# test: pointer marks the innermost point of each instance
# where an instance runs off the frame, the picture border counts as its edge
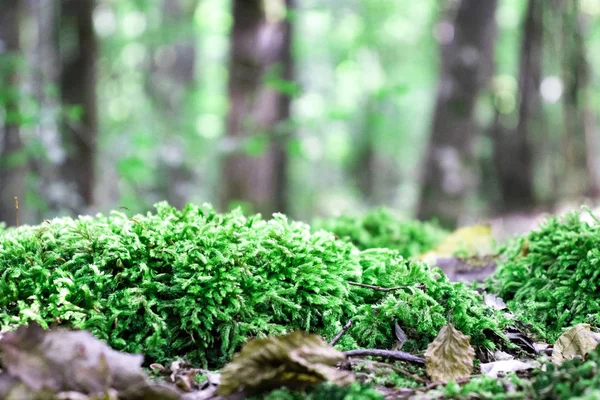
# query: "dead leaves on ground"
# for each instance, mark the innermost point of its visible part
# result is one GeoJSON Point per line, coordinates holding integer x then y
{"type": "Point", "coordinates": [576, 342]}
{"type": "Point", "coordinates": [450, 356]}
{"type": "Point", "coordinates": [295, 360]}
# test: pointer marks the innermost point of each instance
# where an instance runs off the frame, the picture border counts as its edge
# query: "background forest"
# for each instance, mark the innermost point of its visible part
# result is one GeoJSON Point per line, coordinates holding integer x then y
{"type": "Point", "coordinates": [454, 110]}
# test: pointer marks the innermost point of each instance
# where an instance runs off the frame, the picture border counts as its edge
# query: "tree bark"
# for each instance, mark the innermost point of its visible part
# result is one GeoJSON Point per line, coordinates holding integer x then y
{"type": "Point", "coordinates": [466, 67]}
{"type": "Point", "coordinates": [258, 46]}
{"type": "Point", "coordinates": [78, 88]}
{"type": "Point", "coordinates": [513, 153]}
{"type": "Point", "coordinates": [579, 138]}
{"type": "Point", "coordinates": [13, 164]}
{"type": "Point", "coordinates": [168, 84]}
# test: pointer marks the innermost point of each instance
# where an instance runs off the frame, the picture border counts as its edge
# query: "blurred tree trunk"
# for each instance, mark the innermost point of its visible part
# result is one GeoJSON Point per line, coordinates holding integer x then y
{"type": "Point", "coordinates": [78, 89]}
{"type": "Point", "coordinates": [259, 46]}
{"type": "Point", "coordinates": [45, 56]}
{"type": "Point", "coordinates": [170, 80]}
{"type": "Point", "coordinates": [580, 136]}
{"type": "Point", "coordinates": [513, 153]}
{"type": "Point", "coordinates": [13, 164]}
{"type": "Point", "coordinates": [466, 67]}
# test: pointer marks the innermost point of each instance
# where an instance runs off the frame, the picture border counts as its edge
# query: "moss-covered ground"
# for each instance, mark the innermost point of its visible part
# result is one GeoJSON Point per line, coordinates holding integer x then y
{"type": "Point", "coordinates": [197, 284]}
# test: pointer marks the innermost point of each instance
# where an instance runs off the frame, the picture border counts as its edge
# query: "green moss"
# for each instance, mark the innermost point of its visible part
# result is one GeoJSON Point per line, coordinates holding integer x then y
{"type": "Point", "coordinates": [326, 391]}
{"type": "Point", "coordinates": [426, 302]}
{"type": "Point", "coordinates": [574, 378]}
{"type": "Point", "coordinates": [551, 277]}
{"type": "Point", "coordinates": [381, 228]}
{"type": "Point", "coordinates": [199, 283]}
{"type": "Point", "coordinates": [189, 282]}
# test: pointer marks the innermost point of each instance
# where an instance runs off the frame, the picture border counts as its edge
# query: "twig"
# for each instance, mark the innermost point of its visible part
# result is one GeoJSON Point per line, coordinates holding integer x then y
{"type": "Point", "coordinates": [340, 333]}
{"type": "Point", "coordinates": [395, 354]}
{"type": "Point", "coordinates": [394, 368]}
{"type": "Point", "coordinates": [380, 288]}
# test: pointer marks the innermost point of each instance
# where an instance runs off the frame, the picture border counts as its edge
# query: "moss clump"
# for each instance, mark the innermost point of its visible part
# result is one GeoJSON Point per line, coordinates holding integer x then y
{"type": "Point", "coordinates": [426, 302]}
{"type": "Point", "coordinates": [381, 228]}
{"type": "Point", "coordinates": [199, 283]}
{"type": "Point", "coordinates": [326, 391]}
{"type": "Point", "coordinates": [573, 379]}
{"type": "Point", "coordinates": [189, 282]}
{"type": "Point", "coordinates": [551, 277]}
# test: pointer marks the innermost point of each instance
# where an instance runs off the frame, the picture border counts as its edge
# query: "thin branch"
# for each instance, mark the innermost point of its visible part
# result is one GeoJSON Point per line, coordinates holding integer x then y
{"type": "Point", "coordinates": [384, 289]}
{"type": "Point", "coordinates": [340, 333]}
{"type": "Point", "coordinates": [394, 354]}
{"type": "Point", "coordinates": [393, 367]}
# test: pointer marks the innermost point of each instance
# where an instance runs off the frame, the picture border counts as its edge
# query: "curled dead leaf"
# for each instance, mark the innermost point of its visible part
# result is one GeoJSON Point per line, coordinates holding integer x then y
{"type": "Point", "coordinates": [295, 360]}
{"type": "Point", "coordinates": [450, 356]}
{"type": "Point", "coordinates": [577, 341]}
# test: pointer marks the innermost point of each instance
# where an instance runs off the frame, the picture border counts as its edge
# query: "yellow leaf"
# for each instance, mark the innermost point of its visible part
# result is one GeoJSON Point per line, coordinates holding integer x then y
{"type": "Point", "coordinates": [577, 341]}
{"type": "Point", "coordinates": [450, 356]}
{"type": "Point", "coordinates": [294, 360]}
{"type": "Point", "coordinates": [469, 241]}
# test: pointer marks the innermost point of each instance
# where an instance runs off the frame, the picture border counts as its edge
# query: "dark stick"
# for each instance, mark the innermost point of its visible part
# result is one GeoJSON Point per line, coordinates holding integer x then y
{"type": "Point", "coordinates": [396, 355]}
{"type": "Point", "coordinates": [340, 333]}
{"type": "Point", "coordinates": [379, 288]}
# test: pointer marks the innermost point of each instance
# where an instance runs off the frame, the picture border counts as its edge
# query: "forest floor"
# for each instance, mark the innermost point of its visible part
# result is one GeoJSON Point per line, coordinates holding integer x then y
{"type": "Point", "coordinates": [535, 336]}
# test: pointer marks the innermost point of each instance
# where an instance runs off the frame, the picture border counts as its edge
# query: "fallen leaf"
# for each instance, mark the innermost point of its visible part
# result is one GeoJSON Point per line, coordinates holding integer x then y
{"type": "Point", "coordinates": [577, 341]}
{"type": "Point", "coordinates": [449, 356]}
{"type": "Point", "coordinates": [294, 360]}
{"type": "Point", "coordinates": [475, 240]}
{"type": "Point", "coordinates": [68, 362]}
{"type": "Point", "coordinates": [492, 369]}
{"type": "Point", "coordinates": [494, 302]}
{"type": "Point", "coordinates": [401, 336]}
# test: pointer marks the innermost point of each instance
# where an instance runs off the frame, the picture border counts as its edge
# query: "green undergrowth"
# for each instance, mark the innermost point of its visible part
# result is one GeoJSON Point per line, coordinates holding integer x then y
{"type": "Point", "coordinates": [381, 228]}
{"type": "Point", "coordinates": [198, 283]}
{"type": "Point", "coordinates": [551, 276]}
{"type": "Point", "coordinates": [325, 391]}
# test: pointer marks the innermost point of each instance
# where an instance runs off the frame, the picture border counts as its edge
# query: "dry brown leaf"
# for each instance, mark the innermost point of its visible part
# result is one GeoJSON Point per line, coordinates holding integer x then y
{"type": "Point", "coordinates": [577, 341]}
{"type": "Point", "coordinates": [450, 356]}
{"type": "Point", "coordinates": [61, 361]}
{"type": "Point", "coordinates": [294, 360]}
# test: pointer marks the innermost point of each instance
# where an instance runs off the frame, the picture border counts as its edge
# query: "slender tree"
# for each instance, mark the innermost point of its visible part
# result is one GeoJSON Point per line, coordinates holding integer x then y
{"type": "Point", "coordinates": [466, 67]}
{"type": "Point", "coordinates": [170, 80]}
{"type": "Point", "coordinates": [513, 153]}
{"type": "Point", "coordinates": [13, 166]}
{"type": "Point", "coordinates": [78, 89]}
{"type": "Point", "coordinates": [259, 46]}
{"type": "Point", "coordinates": [579, 138]}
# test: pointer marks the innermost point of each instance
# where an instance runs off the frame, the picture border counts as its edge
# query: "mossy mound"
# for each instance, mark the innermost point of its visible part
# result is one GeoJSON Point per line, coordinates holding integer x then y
{"type": "Point", "coordinates": [199, 283]}
{"type": "Point", "coordinates": [381, 228]}
{"type": "Point", "coordinates": [551, 277]}
{"type": "Point", "coordinates": [325, 391]}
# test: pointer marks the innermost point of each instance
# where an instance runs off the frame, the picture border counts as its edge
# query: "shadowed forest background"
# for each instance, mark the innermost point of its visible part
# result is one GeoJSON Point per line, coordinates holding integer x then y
{"type": "Point", "coordinates": [454, 110]}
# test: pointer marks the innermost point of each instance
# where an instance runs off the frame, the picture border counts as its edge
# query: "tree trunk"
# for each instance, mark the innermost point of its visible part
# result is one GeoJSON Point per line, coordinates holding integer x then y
{"type": "Point", "coordinates": [513, 154]}
{"type": "Point", "coordinates": [168, 84]}
{"type": "Point", "coordinates": [579, 138]}
{"type": "Point", "coordinates": [45, 57]}
{"type": "Point", "coordinates": [13, 164]}
{"type": "Point", "coordinates": [466, 67]}
{"type": "Point", "coordinates": [78, 89]}
{"type": "Point", "coordinates": [258, 47]}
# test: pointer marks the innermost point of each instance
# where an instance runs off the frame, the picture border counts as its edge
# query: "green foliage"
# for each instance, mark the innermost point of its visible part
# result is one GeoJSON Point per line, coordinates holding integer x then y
{"type": "Point", "coordinates": [426, 301]}
{"type": "Point", "coordinates": [381, 228]}
{"type": "Point", "coordinates": [179, 282]}
{"type": "Point", "coordinates": [326, 391]}
{"type": "Point", "coordinates": [199, 283]}
{"type": "Point", "coordinates": [484, 387]}
{"type": "Point", "coordinates": [574, 378]}
{"type": "Point", "coordinates": [551, 277]}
